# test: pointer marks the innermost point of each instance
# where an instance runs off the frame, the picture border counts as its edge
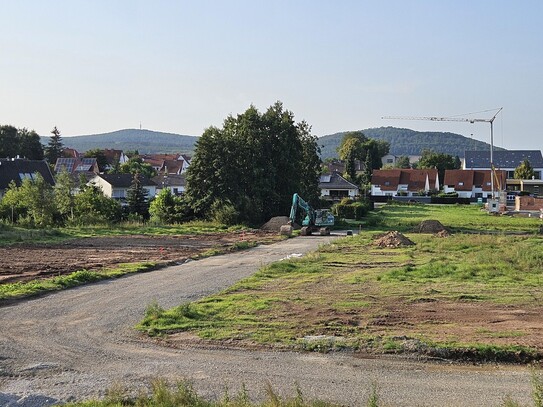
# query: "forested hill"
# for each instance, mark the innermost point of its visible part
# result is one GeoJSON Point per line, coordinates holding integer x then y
{"type": "Point", "coordinates": [402, 142]}
{"type": "Point", "coordinates": [409, 142]}
{"type": "Point", "coordinates": [145, 141]}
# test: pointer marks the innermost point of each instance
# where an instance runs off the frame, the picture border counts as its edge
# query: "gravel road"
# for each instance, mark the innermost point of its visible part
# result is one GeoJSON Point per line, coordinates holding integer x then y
{"type": "Point", "coordinates": [73, 345]}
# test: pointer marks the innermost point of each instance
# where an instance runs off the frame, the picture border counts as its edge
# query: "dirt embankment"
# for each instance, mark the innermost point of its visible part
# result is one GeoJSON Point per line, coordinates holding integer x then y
{"type": "Point", "coordinates": [25, 262]}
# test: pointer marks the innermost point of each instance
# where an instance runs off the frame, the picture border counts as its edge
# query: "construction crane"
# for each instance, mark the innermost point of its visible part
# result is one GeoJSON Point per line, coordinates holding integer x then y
{"type": "Point", "coordinates": [462, 119]}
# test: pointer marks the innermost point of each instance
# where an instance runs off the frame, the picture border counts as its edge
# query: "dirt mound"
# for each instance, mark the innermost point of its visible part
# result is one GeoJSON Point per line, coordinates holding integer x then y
{"type": "Point", "coordinates": [274, 224]}
{"type": "Point", "coordinates": [430, 226]}
{"type": "Point", "coordinates": [393, 239]}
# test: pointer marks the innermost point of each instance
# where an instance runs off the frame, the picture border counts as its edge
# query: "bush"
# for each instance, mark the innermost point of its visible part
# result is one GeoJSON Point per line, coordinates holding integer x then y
{"type": "Point", "coordinates": [224, 212]}
{"type": "Point", "coordinates": [352, 210]}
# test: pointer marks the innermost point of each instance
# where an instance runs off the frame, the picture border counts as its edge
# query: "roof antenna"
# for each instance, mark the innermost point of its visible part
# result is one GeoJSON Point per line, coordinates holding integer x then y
{"type": "Point", "coordinates": [140, 125]}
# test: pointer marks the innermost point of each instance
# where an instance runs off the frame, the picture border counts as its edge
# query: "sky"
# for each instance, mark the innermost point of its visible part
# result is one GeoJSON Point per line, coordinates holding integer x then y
{"type": "Point", "coordinates": [95, 66]}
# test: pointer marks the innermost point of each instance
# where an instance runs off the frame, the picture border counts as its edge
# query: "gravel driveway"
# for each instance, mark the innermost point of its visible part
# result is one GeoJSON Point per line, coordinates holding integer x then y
{"type": "Point", "coordinates": [73, 345]}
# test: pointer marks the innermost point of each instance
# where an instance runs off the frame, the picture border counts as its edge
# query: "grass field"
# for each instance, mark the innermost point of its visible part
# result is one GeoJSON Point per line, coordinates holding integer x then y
{"type": "Point", "coordinates": [353, 294]}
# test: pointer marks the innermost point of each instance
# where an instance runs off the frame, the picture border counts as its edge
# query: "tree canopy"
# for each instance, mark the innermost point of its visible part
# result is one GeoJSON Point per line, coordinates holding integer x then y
{"type": "Point", "coordinates": [524, 170]}
{"type": "Point", "coordinates": [20, 142]}
{"type": "Point", "coordinates": [440, 161]}
{"type": "Point", "coordinates": [356, 146]}
{"type": "Point", "coordinates": [253, 165]}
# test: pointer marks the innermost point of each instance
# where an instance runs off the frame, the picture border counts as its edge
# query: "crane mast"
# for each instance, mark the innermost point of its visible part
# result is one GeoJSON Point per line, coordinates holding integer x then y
{"type": "Point", "coordinates": [462, 119]}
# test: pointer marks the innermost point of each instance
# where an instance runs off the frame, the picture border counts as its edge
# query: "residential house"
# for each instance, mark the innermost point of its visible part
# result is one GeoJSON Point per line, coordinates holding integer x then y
{"type": "Point", "coordinates": [339, 166]}
{"type": "Point", "coordinates": [403, 182]}
{"type": "Point", "coordinates": [389, 159]}
{"type": "Point", "coordinates": [334, 187]}
{"type": "Point", "coordinates": [504, 160]}
{"type": "Point", "coordinates": [114, 156]}
{"type": "Point", "coordinates": [473, 183]}
{"type": "Point", "coordinates": [167, 163]}
{"type": "Point", "coordinates": [117, 185]}
{"type": "Point", "coordinates": [176, 183]}
{"type": "Point", "coordinates": [17, 169]}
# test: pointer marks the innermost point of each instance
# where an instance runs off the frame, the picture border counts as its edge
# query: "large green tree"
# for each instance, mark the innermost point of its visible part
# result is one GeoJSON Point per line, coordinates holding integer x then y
{"type": "Point", "coordinates": [20, 142]}
{"type": "Point", "coordinates": [356, 146]}
{"type": "Point", "coordinates": [54, 147]}
{"type": "Point", "coordinates": [524, 170]}
{"type": "Point", "coordinates": [253, 165]}
{"type": "Point", "coordinates": [440, 161]}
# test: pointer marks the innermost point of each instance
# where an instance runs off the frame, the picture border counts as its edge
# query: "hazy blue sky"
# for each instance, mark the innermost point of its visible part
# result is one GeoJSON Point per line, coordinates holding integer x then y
{"type": "Point", "coordinates": [178, 66]}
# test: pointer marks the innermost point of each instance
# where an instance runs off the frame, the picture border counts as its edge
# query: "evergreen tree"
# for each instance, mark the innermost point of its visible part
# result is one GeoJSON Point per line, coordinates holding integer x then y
{"type": "Point", "coordinates": [137, 198]}
{"type": "Point", "coordinates": [368, 169]}
{"type": "Point", "coordinates": [54, 147]}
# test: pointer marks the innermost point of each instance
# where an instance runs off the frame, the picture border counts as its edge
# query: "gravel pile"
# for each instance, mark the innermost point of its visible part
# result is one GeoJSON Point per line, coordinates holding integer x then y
{"type": "Point", "coordinates": [393, 239]}
{"type": "Point", "coordinates": [274, 224]}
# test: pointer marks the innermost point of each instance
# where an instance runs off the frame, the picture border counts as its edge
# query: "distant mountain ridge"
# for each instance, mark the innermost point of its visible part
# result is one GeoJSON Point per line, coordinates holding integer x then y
{"type": "Point", "coordinates": [410, 142]}
{"type": "Point", "coordinates": [402, 142]}
{"type": "Point", "coordinates": [145, 141]}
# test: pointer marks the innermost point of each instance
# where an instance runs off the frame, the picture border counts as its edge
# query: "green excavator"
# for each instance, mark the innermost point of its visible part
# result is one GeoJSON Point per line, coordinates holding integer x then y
{"type": "Point", "coordinates": [315, 220]}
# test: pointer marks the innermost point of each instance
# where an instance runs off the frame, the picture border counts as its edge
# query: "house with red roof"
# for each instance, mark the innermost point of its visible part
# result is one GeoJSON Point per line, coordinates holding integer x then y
{"type": "Point", "coordinates": [473, 183]}
{"type": "Point", "coordinates": [404, 182]}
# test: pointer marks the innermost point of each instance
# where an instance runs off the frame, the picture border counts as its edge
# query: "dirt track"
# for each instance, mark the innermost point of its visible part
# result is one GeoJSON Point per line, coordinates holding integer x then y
{"type": "Point", "coordinates": [76, 343]}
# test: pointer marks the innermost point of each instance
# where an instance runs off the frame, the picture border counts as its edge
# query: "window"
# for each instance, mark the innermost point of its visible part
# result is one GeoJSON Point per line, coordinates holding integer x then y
{"type": "Point", "coordinates": [461, 184]}
{"type": "Point", "coordinates": [390, 161]}
{"type": "Point", "coordinates": [387, 183]}
{"type": "Point", "coordinates": [25, 175]}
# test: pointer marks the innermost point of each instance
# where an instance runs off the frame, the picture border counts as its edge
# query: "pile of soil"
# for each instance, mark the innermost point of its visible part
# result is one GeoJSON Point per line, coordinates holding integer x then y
{"type": "Point", "coordinates": [430, 226]}
{"type": "Point", "coordinates": [274, 224]}
{"type": "Point", "coordinates": [393, 239]}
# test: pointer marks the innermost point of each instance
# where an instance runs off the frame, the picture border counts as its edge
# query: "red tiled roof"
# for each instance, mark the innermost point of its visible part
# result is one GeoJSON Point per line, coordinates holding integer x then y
{"type": "Point", "coordinates": [414, 179]}
{"type": "Point", "coordinates": [465, 180]}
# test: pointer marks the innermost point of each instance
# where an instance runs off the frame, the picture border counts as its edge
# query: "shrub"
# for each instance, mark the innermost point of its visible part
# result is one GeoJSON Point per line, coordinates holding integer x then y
{"type": "Point", "coordinates": [224, 212]}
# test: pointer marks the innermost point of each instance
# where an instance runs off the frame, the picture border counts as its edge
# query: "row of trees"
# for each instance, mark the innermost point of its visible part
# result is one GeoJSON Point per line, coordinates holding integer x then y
{"type": "Point", "coordinates": [246, 171]}
{"type": "Point", "coordinates": [36, 203]}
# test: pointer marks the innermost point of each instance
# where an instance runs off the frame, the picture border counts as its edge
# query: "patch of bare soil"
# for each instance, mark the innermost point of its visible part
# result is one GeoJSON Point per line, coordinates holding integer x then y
{"type": "Point", "coordinates": [393, 239]}
{"type": "Point", "coordinates": [25, 262]}
{"type": "Point", "coordinates": [430, 226]}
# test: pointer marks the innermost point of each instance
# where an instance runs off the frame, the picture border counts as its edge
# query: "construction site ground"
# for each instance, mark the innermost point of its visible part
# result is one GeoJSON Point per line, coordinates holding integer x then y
{"type": "Point", "coordinates": [24, 262]}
